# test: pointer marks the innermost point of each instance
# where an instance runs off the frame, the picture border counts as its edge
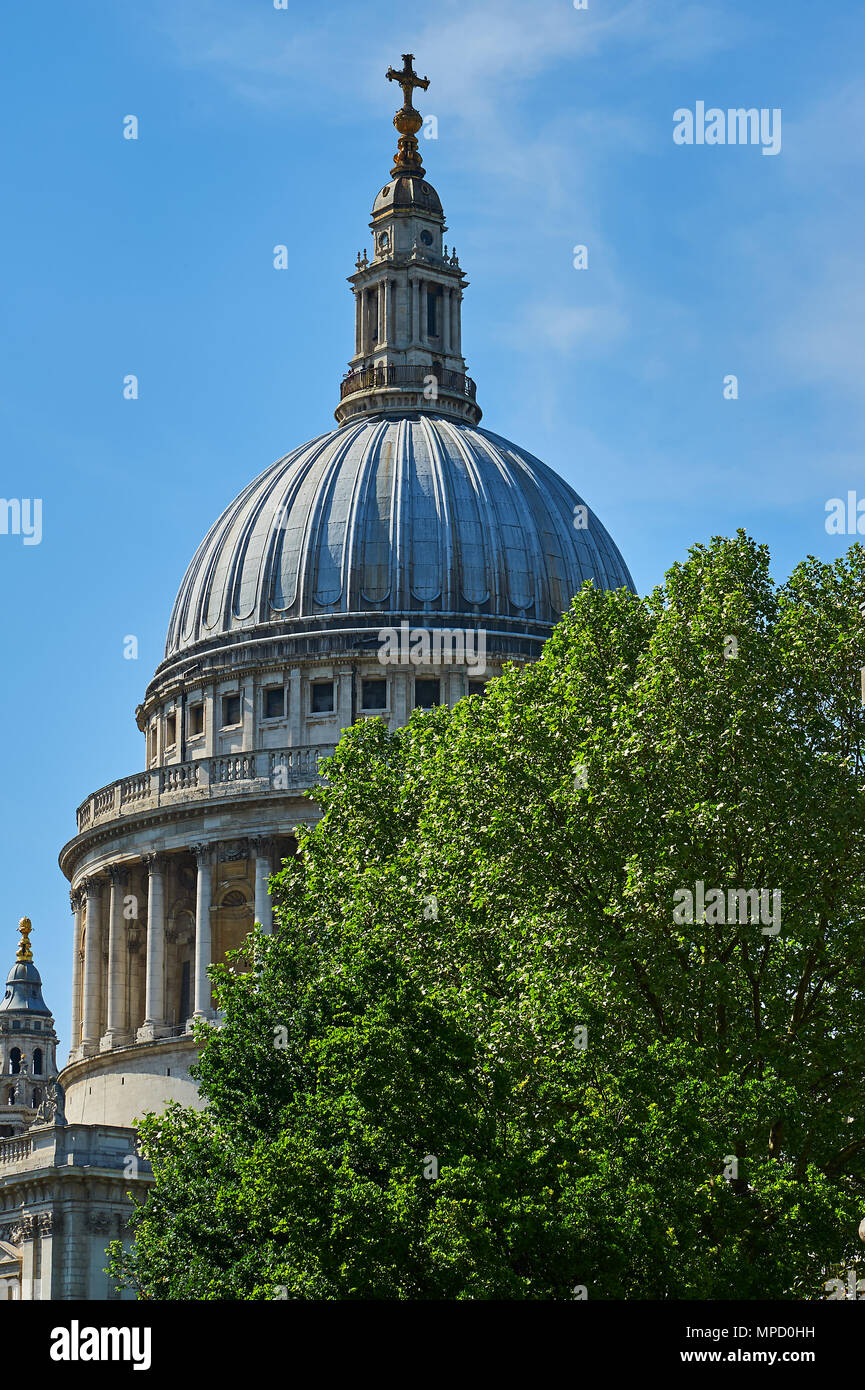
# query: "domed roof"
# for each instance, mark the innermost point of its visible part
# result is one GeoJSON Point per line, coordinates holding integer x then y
{"type": "Point", "coordinates": [407, 191]}
{"type": "Point", "coordinates": [24, 990]}
{"type": "Point", "coordinates": [394, 515]}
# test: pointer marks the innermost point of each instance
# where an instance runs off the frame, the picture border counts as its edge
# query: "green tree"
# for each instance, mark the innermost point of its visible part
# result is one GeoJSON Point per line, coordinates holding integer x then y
{"type": "Point", "coordinates": [480, 1057]}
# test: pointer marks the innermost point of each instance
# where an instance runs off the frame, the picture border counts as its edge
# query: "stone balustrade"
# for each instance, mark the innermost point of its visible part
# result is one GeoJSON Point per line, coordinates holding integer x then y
{"type": "Point", "coordinates": [14, 1150]}
{"type": "Point", "coordinates": [275, 770]}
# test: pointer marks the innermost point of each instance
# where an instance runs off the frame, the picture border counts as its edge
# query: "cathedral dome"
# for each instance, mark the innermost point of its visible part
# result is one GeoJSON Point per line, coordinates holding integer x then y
{"type": "Point", "coordinates": [390, 517]}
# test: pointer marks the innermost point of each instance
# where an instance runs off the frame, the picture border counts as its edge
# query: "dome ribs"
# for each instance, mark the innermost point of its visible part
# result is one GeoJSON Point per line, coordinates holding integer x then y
{"type": "Point", "coordinates": [390, 517]}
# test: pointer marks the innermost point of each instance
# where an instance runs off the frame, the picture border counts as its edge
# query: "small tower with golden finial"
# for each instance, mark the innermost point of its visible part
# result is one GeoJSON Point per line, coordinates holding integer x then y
{"type": "Point", "coordinates": [28, 1044]}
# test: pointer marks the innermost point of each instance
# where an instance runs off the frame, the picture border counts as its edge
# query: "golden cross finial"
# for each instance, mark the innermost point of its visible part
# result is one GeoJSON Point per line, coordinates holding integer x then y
{"type": "Point", "coordinates": [25, 927]}
{"type": "Point", "coordinates": [407, 121]}
{"type": "Point", "coordinates": [407, 79]}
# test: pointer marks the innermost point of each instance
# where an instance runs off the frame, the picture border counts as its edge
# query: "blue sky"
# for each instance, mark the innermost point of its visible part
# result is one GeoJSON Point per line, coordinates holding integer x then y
{"type": "Point", "coordinates": [260, 126]}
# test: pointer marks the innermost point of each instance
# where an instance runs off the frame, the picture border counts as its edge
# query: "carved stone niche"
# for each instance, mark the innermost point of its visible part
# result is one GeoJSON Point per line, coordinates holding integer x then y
{"type": "Point", "coordinates": [186, 878]}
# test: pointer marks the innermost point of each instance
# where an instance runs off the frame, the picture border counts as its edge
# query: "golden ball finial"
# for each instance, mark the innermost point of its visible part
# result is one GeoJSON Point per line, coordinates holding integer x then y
{"type": "Point", "coordinates": [25, 926]}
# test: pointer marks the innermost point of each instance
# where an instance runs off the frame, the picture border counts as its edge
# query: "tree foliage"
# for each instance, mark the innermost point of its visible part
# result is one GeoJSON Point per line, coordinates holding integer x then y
{"type": "Point", "coordinates": [490, 880]}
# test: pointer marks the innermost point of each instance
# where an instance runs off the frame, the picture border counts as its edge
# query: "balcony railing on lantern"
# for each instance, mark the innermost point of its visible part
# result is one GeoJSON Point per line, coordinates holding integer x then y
{"type": "Point", "coordinates": [407, 378]}
{"type": "Point", "coordinates": [217, 778]}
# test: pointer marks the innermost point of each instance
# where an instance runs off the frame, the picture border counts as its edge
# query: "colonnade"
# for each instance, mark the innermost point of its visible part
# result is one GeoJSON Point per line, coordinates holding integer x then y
{"type": "Point", "coordinates": [102, 903]}
{"type": "Point", "coordinates": [376, 316]}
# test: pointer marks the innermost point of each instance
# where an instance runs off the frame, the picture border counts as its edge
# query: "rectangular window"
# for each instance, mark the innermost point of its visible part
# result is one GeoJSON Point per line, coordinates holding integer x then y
{"type": "Point", "coordinates": [196, 720]}
{"type": "Point", "coordinates": [321, 698]}
{"type": "Point", "coordinates": [477, 687]}
{"type": "Point", "coordinates": [171, 730]}
{"type": "Point", "coordinates": [427, 693]}
{"type": "Point", "coordinates": [230, 710]}
{"type": "Point", "coordinates": [274, 702]}
{"type": "Point", "coordinates": [373, 694]}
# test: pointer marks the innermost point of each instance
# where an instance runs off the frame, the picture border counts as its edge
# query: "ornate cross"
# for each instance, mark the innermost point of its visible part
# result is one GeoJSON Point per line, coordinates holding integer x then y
{"type": "Point", "coordinates": [407, 79]}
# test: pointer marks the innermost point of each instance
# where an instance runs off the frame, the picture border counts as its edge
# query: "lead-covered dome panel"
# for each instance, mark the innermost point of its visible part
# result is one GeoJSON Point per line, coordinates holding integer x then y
{"type": "Point", "coordinates": [394, 515]}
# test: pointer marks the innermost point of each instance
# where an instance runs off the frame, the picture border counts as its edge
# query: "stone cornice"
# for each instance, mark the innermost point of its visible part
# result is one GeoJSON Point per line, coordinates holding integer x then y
{"type": "Point", "coordinates": [147, 823]}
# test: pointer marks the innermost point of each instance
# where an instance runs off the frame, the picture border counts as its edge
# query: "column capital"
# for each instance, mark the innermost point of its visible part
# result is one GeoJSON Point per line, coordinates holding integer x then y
{"type": "Point", "coordinates": [76, 899]}
{"type": "Point", "coordinates": [262, 846]}
{"type": "Point", "coordinates": [118, 875]}
{"type": "Point", "coordinates": [155, 861]}
{"type": "Point", "coordinates": [203, 852]}
{"type": "Point", "coordinates": [92, 887]}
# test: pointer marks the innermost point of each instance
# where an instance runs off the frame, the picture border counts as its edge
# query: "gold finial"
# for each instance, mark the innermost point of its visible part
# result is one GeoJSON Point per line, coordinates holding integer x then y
{"type": "Point", "coordinates": [25, 926]}
{"type": "Point", "coordinates": [407, 121]}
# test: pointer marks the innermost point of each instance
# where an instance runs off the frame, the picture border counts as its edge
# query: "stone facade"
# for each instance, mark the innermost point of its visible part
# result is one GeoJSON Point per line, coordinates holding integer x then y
{"type": "Point", "coordinates": [63, 1197]}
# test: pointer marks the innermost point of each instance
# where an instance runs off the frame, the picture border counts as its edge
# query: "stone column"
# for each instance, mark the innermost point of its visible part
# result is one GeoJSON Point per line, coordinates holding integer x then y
{"type": "Point", "coordinates": [115, 1029]}
{"type": "Point", "coordinates": [92, 987]}
{"type": "Point", "coordinates": [154, 991]}
{"type": "Point", "coordinates": [76, 898]}
{"type": "Point", "coordinates": [203, 892]}
{"type": "Point", "coordinates": [263, 851]}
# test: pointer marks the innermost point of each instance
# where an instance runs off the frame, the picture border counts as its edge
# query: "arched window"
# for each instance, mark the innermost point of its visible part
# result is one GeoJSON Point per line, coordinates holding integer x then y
{"type": "Point", "coordinates": [15, 1061]}
{"type": "Point", "coordinates": [10, 1096]}
{"type": "Point", "coordinates": [37, 1061]}
{"type": "Point", "coordinates": [37, 1096]}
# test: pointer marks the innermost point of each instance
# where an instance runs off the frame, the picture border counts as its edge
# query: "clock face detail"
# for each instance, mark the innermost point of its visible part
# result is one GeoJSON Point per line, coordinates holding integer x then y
{"type": "Point", "coordinates": [426, 238]}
